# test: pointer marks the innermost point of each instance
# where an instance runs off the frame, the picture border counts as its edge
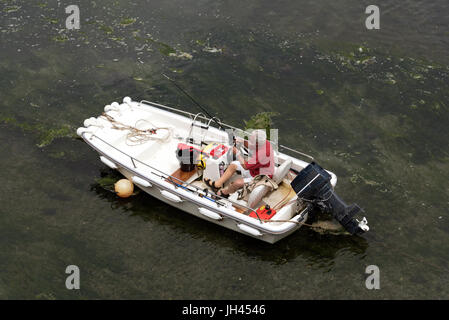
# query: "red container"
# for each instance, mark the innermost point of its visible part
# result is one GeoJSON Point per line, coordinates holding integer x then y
{"type": "Point", "coordinates": [264, 213]}
{"type": "Point", "coordinates": [218, 151]}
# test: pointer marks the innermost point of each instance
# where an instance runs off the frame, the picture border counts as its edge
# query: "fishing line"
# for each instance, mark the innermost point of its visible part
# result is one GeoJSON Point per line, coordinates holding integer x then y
{"type": "Point", "coordinates": [191, 98]}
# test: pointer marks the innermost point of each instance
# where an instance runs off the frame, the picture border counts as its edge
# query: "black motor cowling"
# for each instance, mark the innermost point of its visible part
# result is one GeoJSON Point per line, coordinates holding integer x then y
{"type": "Point", "coordinates": [312, 184]}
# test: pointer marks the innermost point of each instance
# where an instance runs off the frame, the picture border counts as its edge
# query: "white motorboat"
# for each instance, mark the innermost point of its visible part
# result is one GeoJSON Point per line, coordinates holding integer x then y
{"type": "Point", "coordinates": [148, 142]}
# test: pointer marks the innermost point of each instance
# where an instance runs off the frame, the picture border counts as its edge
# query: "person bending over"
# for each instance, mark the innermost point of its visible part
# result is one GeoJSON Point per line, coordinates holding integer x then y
{"type": "Point", "coordinates": [260, 162]}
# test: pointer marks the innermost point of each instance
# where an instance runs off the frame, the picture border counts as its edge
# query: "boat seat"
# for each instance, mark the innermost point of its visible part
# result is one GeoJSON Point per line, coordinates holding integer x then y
{"type": "Point", "coordinates": [260, 191]}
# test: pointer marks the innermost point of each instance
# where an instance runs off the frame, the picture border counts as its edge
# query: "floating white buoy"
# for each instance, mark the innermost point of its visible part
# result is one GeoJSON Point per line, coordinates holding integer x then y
{"type": "Point", "coordinates": [127, 100]}
{"type": "Point", "coordinates": [124, 188]}
{"type": "Point", "coordinates": [90, 122]}
{"type": "Point", "coordinates": [80, 131]}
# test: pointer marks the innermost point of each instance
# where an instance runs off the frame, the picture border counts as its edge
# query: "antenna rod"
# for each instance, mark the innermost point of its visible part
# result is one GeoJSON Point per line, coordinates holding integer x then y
{"type": "Point", "coordinates": [191, 98]}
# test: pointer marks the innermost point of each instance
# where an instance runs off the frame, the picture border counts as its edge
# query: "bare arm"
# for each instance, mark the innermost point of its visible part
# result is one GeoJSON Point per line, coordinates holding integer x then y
{"type": "Point", "coordinates": [239, 157]}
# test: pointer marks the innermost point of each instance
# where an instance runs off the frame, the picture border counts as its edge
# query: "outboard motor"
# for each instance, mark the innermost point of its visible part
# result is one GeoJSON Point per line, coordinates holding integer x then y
{"type": "Point", "coordinates": [312, 184]}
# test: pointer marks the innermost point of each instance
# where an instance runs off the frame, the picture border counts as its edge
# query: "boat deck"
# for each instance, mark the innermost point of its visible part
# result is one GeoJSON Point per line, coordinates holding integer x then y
{"type": "Point", "coordinates": [184, 176]}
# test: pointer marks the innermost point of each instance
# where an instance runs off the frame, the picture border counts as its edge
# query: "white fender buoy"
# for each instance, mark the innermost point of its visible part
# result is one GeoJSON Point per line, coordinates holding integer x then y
{"type": "Point", "coordinates": [90, 122]}
{"type": "Point", "coordinates": [124, 188]}
{"type": "Point", "coordinates": [249, 230]}
{"type": "Point", "coordinates": [141, 182]}
{"type": "Point", "coordinates": [107, 108]}
{"type": "Point", "coordinates": [127, 100]}
{"type": "Point", "coordinates": [108, 162]}
{"type": "Point", "coordinates": [170, 196]}
{"type": "Point", "coordinates": [80, 131]}
{"type": "Point", "coordinates": [115, 105]}
{"type": "Point", "coordinates": [210, 214]}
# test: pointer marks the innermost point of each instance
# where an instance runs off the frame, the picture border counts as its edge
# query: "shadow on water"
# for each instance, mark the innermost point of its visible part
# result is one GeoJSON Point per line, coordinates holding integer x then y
{"type": "Point", "coordinates": [317, 248]}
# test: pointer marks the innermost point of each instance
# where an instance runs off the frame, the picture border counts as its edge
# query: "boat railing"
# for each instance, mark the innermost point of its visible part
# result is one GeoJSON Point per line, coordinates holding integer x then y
{"type": "Point", "coordinates": [166, 176]}
{"type": "Point", "coordinates": [297, 152]}
{"type": "Point", "coordinates": [194, 116]}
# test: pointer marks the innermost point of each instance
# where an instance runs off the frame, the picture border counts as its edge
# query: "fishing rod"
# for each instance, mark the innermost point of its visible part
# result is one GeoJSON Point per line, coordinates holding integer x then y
{"type": "Point", "coordinates": [194, 101]}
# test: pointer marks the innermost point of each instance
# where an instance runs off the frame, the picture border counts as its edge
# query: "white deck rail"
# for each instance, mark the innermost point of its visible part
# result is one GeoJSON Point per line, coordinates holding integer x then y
{"type": "Point", "coordinates": [209, 120]}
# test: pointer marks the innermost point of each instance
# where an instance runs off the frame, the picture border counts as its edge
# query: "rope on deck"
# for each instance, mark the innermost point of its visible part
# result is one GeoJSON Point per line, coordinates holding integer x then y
{"type": "Point", "coordinates": [137, 136]}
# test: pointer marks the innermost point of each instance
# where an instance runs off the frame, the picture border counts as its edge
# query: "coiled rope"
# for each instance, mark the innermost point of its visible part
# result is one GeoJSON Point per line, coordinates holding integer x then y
{"type": "Point", "coordinates": [137, 136]}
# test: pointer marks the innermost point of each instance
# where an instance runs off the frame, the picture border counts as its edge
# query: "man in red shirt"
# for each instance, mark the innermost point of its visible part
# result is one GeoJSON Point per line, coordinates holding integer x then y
{"type": "Point", "coordinates": [261, 162]}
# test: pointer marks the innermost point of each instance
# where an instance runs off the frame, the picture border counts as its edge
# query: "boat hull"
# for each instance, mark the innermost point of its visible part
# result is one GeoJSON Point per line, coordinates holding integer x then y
{"type": "Point", "coordinates": [193, 209]}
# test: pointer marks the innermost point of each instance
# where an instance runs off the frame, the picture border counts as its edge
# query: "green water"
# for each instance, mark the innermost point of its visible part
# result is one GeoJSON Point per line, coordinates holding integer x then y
{"type": "Point", "coordinates": [372, 106]}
